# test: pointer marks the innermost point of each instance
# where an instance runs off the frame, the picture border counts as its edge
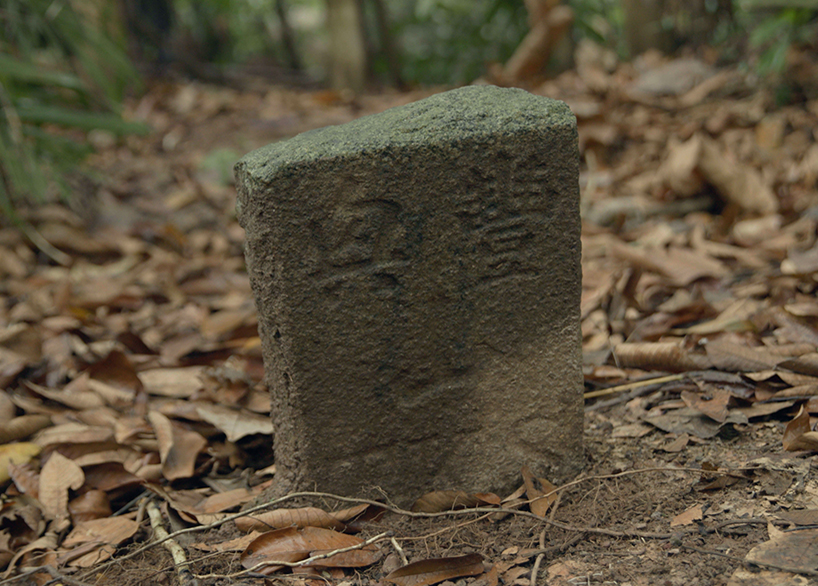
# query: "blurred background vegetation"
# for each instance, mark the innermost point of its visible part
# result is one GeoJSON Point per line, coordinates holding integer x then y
{"type": "Point", "coordinates": [66, 65]}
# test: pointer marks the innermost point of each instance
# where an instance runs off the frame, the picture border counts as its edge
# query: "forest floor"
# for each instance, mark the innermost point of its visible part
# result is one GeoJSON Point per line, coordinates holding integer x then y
{"type": "Point", "coordinates": [129, 353]}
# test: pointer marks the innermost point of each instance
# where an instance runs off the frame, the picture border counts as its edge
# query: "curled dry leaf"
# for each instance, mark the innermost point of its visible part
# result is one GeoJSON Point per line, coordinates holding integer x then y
{"type": "Point", "coordinates": [739, 184]}
{"type": "Point", "coordinates": [540, 497]}
{"type": "Point", "coordinates": [449, 500]}
{"type": "Point", "coordinates": [26, 478]}
{"type": "Point", "coordinates": [223, 501]}
{"type": "Point", "coordinates": [178, 447]}
{"type": "Point", "coordinates": [46, 543]}
{"type": "Point", "coordinates": [73, 433]}
{"type": "Point", "coordinates": [432, 571]}
{"type": "Point", "coordinates": [798, 434]}
{"type": "Point", "coordinates": [355, 517]}
{"type": "Point", "coordinates": [665, 356]}
{"type": "Point", "coordinates": [293, 545]}
{"type": "Point", "coordinates": [23, 427]}
{"type": "Point", "coordinates": [112, 476]}
{"type": "Point", "coordinates": [70, 396]}
{"type": "Point", "coordinates": [301, 517]}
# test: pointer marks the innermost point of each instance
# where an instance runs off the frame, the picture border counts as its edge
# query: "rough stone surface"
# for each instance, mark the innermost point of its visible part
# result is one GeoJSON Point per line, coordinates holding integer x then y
{"type": "Point", "coordinates": [417, 276]}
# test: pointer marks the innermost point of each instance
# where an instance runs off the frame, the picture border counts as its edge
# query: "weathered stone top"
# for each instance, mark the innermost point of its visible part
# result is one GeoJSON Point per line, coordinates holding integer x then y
{"type": "Point", "coordinates": [468, 113]}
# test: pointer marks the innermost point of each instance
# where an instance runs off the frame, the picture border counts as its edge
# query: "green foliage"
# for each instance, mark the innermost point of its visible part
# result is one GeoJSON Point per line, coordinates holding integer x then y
{"type": "Point", "coordinates": [598, 20]}
{"type": "Point", "coordinates": [233, 31]}
{"type": "Point", "coordinates": [777, 33]}
{"type": "Point", "coordinates": [219, 163]}
{"type": "Point", "coordinates": [60, 74]}
{"type": "Point", "coordinates": [452, 41]}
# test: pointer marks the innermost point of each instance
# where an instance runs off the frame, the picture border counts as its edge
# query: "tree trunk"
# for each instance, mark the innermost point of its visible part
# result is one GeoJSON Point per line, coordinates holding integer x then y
{"type": "Point", "coordinates": [287, 37]}
{"type": "Point", "coordinates": [149, 25]}
{"type": "Point", "coordinates": [346, 44]}
{"type": "Point", "coordinates": [388, 47]}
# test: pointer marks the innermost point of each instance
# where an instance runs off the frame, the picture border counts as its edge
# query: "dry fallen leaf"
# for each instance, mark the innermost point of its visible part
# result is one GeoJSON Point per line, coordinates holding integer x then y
{"type": "Point", "coordinates": [540, 492]}
{"type": "Point", "coordinates": [235, 423]}
{"type": "Point", "coordinates": [432, 571]}
{"type": "Point", "coordinates": [449, 500]}
{"type": "Point", "coordinates": [795, 549]}
{"type": "Point", "coordinates": [713, 404]}
{"type": "Point", "coordinates": [737, 182]}
{"type": "Point", "coordinates": [93, 504]}
{"type": "Point", "coordinates": [117, 371]}
{"type": "Point", "coordinates": [663, 356]}
{"type": "Point", "coordinates": [178, 447]}
{"type": "Point", "coordinates": [689, 517]}
{"type": "Point", "coordinates": [172, 382]}
{"type": "Point", "coordinates": [292, 545]}
{"type": "Point", "coordinates": [102, 536]}
{"type": "Point", "coordinates": [280, 518]}
{"type": "Point", "coordinates": [798, 434]}
{"type": "Point", "coordinates": [58, 476]}
{"type": "Point", "coordinates": [726, 355]}
{"type": "Point", "coordinates": [237, 544]}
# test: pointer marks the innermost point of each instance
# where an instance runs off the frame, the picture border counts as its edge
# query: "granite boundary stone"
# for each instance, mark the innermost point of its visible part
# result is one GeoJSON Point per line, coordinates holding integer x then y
{"type": "Point", "coordinates": [417, 276]}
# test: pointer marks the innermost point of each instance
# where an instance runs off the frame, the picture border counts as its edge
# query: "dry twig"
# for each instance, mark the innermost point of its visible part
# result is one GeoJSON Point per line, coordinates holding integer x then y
{"type": "Point", "coordinates": [180, 562]}
{"type": "Point", "coordinates": [536, 569]}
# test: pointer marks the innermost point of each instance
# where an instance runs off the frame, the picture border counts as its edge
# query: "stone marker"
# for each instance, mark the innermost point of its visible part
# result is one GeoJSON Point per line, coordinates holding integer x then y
{"type": "Point", "coordinates": [417, 276]}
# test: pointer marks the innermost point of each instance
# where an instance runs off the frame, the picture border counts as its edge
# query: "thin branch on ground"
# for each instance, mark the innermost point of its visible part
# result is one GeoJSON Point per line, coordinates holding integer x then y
{"type": "Point", "coordinates": [180, 562]}
{"type": "Point", "coordinates": [536, 569]}
{"type": "Point", "coordinates": [404, 560]}
{"type": "Point", "coordinates": [748, 521]}
{"type": "Point", "coordinates": [635, 385]}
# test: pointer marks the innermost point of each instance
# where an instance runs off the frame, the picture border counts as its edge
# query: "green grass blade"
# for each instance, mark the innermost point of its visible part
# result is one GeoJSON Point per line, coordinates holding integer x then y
{"type": "Point", "coordinates": [27, 72]}
{"type": "Point", "coordinates": [46, 114]}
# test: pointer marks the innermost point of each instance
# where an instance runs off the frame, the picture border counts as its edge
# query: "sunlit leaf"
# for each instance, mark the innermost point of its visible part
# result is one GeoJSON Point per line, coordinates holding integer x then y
{"type": "Point", "coordinates": [17, 453]}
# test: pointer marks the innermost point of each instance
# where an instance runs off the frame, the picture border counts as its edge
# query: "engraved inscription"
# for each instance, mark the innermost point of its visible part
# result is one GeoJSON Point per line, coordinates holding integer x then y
{"type": "Point", "coordinates": [362, 241]}
{"type": "Point", "coordinates": [500, 221]}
